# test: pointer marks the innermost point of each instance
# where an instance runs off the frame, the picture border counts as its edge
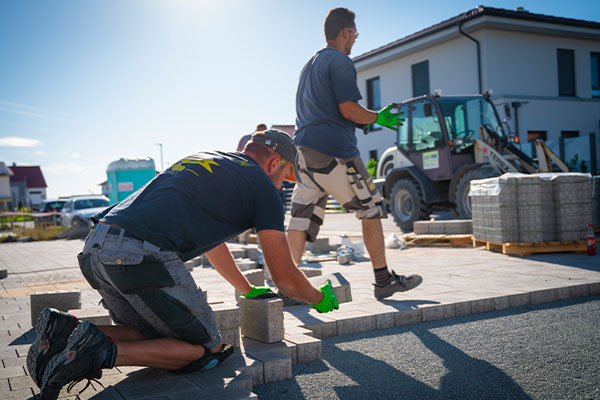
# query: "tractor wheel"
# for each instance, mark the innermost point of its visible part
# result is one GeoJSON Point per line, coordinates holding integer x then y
{"type": "Point", "coordinates": [462, 200]}
{"type": "Point", "coordinates": [407, 205]}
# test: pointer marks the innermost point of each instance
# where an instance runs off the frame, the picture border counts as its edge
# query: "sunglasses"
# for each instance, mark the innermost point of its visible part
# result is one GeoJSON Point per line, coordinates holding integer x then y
{"type": "Point", "coordinates": [353, 30]}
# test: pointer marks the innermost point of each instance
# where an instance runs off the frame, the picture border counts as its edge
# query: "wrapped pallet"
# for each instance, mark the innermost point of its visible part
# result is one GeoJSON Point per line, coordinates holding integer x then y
{"type": "Point", "coordinates": [596, 200]}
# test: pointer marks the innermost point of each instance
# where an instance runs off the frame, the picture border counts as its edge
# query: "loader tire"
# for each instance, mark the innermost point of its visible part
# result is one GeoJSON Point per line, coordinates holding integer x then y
{"type": "Point", "coordinates": [407, 205]}
{"type": "Point", "coordinates": [461, 199]}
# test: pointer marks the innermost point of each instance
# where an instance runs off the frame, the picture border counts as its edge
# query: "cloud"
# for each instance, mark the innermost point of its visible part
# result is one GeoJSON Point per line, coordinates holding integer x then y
{"type": "Point", "coordinates": [13, 141]}
{"type": "Point", "coordinates": [75, 155]}
{"type": "Point", "coordinates": [40, 153]}
{"type": "Point", "coordinates": [16, 108]}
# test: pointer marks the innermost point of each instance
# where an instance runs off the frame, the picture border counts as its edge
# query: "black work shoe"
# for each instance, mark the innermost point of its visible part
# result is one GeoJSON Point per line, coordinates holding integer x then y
{"type": "Point", "coordinates": [209, 361]}
{"type": "Point", "coordinates": [52, 330]}
{"type": "Point", "coordinates": [398, 283]}
{"type": "Point", "coordinates": [81, 359]}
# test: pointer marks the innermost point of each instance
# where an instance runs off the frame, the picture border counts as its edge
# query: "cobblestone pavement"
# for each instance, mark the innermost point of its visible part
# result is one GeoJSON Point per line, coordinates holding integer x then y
{"type": "Point", "coordinates": [457, 281]}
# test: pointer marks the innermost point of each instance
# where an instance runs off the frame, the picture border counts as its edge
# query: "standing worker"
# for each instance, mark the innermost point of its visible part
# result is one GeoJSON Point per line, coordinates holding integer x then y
{"type": "Point", "coordinates": [327, 116]}
{"type": "Point", "coordinates": [135, 258]}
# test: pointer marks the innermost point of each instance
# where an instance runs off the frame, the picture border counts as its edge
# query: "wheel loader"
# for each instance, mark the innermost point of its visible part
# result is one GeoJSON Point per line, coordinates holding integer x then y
{"type": "Point", "coordinates": [445, 142]}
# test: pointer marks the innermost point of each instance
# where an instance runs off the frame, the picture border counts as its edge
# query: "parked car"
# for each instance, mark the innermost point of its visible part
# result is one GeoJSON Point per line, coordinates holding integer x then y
{"type": "Point", "coordinates": [52, 205]}
{"type": "Point", "coordinates": [78, 211]}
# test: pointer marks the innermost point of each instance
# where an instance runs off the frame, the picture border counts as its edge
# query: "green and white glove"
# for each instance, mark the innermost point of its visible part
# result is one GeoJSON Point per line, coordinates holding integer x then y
{"type": "Point", "coordinates": [388, 119]}
{"type": "Point", "coordinates": [260, 292]}
{"type": "Point", "coordinates": [329, 302]}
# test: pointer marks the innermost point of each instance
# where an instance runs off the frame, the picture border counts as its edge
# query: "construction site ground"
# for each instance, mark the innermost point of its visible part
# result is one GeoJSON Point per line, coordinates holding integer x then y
{"type": "Point", "coordinates": [458, 281]}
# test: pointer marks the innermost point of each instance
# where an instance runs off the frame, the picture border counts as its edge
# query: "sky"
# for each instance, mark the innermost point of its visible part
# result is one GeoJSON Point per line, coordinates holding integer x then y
{"type": "Point", "coordinates": [84, 83]}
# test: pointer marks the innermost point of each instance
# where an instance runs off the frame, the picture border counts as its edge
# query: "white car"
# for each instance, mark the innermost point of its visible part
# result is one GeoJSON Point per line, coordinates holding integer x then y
{"type": "Point", "coordinates": [79, 210]}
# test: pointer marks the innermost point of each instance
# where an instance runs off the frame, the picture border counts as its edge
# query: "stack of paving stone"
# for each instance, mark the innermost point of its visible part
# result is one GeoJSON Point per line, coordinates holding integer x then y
{"type": "Point", "coordinates": [451, 227]}
{"type": "Point", "coordinates": [535, 208]}
{"type": "Point", "coordinates": [596, 200]}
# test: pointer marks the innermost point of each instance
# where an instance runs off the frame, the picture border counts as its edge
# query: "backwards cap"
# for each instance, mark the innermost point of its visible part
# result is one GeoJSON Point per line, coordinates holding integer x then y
{"type": "Point", "coordinates": [281, 143]}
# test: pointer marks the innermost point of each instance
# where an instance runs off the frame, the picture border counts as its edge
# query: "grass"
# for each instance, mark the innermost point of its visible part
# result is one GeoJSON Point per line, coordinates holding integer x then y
{"type": "Point", "coordinates": [41, 232]}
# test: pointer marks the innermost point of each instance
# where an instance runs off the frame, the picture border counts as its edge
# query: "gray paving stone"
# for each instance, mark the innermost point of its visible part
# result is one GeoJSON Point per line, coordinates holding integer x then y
{"type": "Point", "coordinates": [262, 319]}
{"type": "Point", "coordinates": [408, 317]}
{"type": "Point", "coordinates": [594, 287]}
{"type": "Point", "coordinates": [385, 319]}
{"type": "Point", "coordinates": [245, 264]}
{"type": "Point", "coordinates": [110, 393]}
{"type": "Point", "coordinates": [14, 362]}
{"type": "Point", "coordinates": [311, 272]}
{"type": "Point", "coordinates": [323, 329]}
{"type": "Point", "coordinates": [231, 336]}
{"type": "Point", "coordinates": [309, 348]}
{"type": "Point", "coordinates": [501, 303]}
{"type": "Point", "coordinates": [277, 367]}
{"type": "Point", "coordinates": [12, 372]}
{"type": "Point", "coordinates": [320, 245]}
{"type": "Point", "coordinates": [20, 394]}
{"type": "Point", "coordinates": [149, 388]}
{"type": "Point", "coordinates": [284, 347]}
{"type": "Point", "coordinates": [354, 321]}
{"type": "Point", "coordinates": [238, 253]}
{"type": "Point", "coordinates": [462, 308]}
{"type": "Point", "coordinates": [226, 316]}
{"type": "Point", "coordinates": [544, 296]}
{"type": "Point", "coordinates": [564, 293]}
{"type": "Point", "coordinates": [21, 382]}
{"type": "Point", "coordinates": [252, 253]}
{"type": "Point", "coordinates": [519, 300]}
{"type": "Point", "coordinates": [255, 276]}
{"type": "Point", "coordinates": [339, 284]}
{"type": "Point", "coordinates": [482, 305]}
{"type": "Point", "coordinates": [580, 290]}
{"type": "Point", "coordinates": [21, 350]}
{"type": "Point", "coordinates": [96, 315]}
{"type": "Point", "coordinates": [436, 312]}
{"type": "Point", "coordinates": [62, 300]}
{"type": "Point", "coordinates": [231, 392]}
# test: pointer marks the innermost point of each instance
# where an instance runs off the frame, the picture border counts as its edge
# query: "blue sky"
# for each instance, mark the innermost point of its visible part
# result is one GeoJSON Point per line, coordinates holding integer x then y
{"type": "Point", "coordinates": [83, 83]}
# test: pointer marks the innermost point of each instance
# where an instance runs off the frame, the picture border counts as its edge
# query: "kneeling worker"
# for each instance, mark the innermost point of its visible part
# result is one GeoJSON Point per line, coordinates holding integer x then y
{"type": "Point", "coordinates": [135, 258]}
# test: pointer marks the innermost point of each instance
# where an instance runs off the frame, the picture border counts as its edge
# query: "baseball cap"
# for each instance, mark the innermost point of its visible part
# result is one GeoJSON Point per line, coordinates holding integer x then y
{"type": "Point", "coordinates": [283, 144]}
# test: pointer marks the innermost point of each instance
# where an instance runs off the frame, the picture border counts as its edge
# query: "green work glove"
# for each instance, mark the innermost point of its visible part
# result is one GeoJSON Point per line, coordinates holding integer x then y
{"type": "Point", "coordinates": [386, 118]}
{"type": "Point", "coordinates": [329, 302]}
{"type": "Point", "coordinates": [260, 292]}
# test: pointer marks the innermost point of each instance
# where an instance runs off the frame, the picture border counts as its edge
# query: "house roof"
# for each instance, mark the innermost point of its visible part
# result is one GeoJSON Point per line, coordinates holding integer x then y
{"type": "Point", "coordinates": [32, 175]}
{"type": "Point", "coordinates": [4, 169]}
{"type": "Point", "coordinates": [476, 13]}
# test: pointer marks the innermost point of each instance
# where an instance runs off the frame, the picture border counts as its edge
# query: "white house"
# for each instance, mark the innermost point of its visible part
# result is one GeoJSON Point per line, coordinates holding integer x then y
{"type": "Point", "coordinates": [545, 68]}
{"type": "Point", "coordinates": [5, 195]}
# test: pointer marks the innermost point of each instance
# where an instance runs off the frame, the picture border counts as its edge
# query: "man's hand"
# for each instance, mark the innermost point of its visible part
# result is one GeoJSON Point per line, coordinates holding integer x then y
{"type": "Point", "coordinates": [386, 118]}
{"type": "Point", "coordinates": [260, 292]}
{"type": "Point", "coordinates": [329, 302]}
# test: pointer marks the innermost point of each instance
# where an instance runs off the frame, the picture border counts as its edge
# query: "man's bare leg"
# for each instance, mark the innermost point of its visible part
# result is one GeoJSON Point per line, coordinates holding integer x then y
{"type": "Point", "coordinates": [297, 241]}
{"type": "Point", "coordinates": [134, 349]}
{"type": "Point", "coordinates": [373, 238]}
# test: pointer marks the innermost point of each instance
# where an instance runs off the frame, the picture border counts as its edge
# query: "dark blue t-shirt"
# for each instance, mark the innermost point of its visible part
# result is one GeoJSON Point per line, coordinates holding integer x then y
{"type": "Point", "coordinates": [200, 202]}
{"type": "Point", "coordinates": [327, 80]}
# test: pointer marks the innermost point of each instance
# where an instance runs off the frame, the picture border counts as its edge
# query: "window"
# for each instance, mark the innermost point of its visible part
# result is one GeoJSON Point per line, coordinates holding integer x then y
{"type": "Point", "coordinates": [595, 74]}
{"type": "Point", "coordinates": [373, 154]}
{"type": "Point", "coordinates": [426, 130]}
{"type": "Point", "coordinates": [569, 134]}
{"type": "Point", "coordinates": [566, 72]}
{"type": "Point", "coordinates": [420, 78]}
{"type": "Point", "coordinates": [403, 130]}
{"type": "Point", "coordinates": [373, 94]}
{"type": "Point", "coordinates": [533, 135]}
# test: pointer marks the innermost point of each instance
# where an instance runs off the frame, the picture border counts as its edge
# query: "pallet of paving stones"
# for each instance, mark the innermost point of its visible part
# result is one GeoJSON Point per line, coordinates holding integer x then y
{"type": "Point", "coordinates": [527, 249]}
{"type": "Point", "coordinates": [427, 240]}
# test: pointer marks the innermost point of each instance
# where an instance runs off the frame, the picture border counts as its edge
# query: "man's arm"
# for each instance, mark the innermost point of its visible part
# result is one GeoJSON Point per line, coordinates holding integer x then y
{"type": "Point", "coordinates": [356, 113]}
{"type": "Point", "coordinates": [220, 257]}
{"type": "Point", "coordinates": [286, 275]}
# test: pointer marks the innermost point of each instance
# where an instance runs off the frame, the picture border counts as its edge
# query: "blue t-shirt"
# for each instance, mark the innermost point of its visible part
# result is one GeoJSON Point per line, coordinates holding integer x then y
{"type": "Point", "coordinates": [327, 80]}
{"type": "Point", "coordinates": [200, 202]}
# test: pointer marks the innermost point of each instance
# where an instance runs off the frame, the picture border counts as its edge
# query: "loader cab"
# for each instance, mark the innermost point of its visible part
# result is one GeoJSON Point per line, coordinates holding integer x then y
{"type": "Point", "coordinates": [439, 132]}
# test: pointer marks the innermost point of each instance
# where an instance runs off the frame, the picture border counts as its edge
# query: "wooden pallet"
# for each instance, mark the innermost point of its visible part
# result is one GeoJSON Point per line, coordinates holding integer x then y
{"type": "Point", "coordinates": [437, 240]}
{"type": "Point", "coordinates": [527, 249]}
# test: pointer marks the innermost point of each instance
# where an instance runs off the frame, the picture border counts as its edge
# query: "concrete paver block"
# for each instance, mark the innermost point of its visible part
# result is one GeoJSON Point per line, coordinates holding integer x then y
{"type": "Point", "coordinates": [3, 273]}
{"type": "Point", "coordinates": [284, 347]}
{"type": "Point", "coordinates": [354, 321]}
{"type": "Point", "coordinates": [226, 316]}
{"type": "Point", "coordinates": [323, 329]}
{"type": "Point", "coordinates": [482, 305]}
{"type": "Point", "coordinates": [519, 300]}
{"type": "Point", "coordinates": [205, 260]}
{"type": "Point", "coordinates": [255, 276]}
{"type": "Point", "coordinates": [262, 319]}
{"type": "Point", "coordinates": [544, 296]}
{"type": "Point", "coordinates": [594, 287]}
{"type": "Point", "coordinates": [62, 300]}
{"type": "Point", "coordinates": [96, 315]}
{"type": "Point", "coordinates": [231, 336]}
{"type": "Point", "coordinates": [245, 264]}
{"type": "Point", "coordinates": [309, 348]}
{"type": "Point", "coordinates": [580, 290]}
{"type": "Point", "coordinates": [252, 253]}
{"type": "Point", "coordinates": [311, 272]}
{"type": "Point", "coordinates": [341, 286]}
{"type": "Point", "coordinates": [501, 303]}
{"type": "Point", "coordinates": [277, 367]}
{"type": "Point", "coordinates": [150, 387]}
{"type": "Point", "coordinates": [320, 245]}
{"type": "Point", "coordinates": [408, 317]}
{"type": "Point", "coordinates": [385, 319]}
{"type": "Point", "coordinates": [436, 312]}
{"type": "Point", "coordinates": [240, 361]}
{"type": "Point", "coordinates": [463, 308]}
{"type": "Point", "coordinates": [564, 293]}
{"type": "Point", "coordinates": [238, 253]}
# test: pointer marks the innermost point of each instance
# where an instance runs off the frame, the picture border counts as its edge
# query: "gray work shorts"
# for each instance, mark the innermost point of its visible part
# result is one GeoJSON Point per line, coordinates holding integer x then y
{"type": "Point", "coordinates": [346, 179]}
{"type": "Point", "coordinates": [147, 289]}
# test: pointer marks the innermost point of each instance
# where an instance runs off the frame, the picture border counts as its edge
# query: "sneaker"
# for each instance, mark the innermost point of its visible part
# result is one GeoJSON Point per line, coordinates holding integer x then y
{"type": "Point", "coordinates": [209, 361]}
{"type": "Point", "coordinates": [81, 359]}
{"type": "Point", "coordinates": [398, 283]}
{"type": "Point", "coordinates": [52, 330]}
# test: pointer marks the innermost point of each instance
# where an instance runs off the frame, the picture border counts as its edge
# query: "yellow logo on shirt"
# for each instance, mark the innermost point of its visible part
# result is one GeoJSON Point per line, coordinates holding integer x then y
{"type": "Point", "coordinates": [206, 163]}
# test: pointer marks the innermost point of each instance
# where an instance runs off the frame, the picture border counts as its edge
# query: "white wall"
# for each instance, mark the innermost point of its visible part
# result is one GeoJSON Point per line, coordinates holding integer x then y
{"type": "Point", "coordinates": [4, 186]}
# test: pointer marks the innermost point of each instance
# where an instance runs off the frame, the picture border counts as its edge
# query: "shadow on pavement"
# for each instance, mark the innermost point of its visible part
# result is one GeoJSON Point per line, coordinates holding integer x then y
{"type": "Point", "coordinates": [582, 261]}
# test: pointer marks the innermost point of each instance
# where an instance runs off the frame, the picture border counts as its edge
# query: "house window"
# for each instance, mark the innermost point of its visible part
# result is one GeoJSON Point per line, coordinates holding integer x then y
{"type": "Point", "coordinates": [373, 94]}
{"type": "Point", "coordinates": [533, 135]}
{"type": "Point", "coordinates": [373, 154]}
{"type": "Point", "coordinates": [420, 78]}
{"type": "Point", "coordinates": [566, 72]}
{"type": "Point", "coordinates": [595, 74]}
{"type": "Point", "coordinates": [569, 134]}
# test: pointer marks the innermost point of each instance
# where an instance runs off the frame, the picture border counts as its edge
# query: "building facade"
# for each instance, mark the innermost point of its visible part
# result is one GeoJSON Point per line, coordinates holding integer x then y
{"type": "Point", "coordinates": [544, 70]}
{"type": "Point", "coordinates": [27, 186]}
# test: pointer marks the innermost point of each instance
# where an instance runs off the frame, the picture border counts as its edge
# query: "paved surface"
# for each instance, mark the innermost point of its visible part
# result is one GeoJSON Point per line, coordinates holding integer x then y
{"type": "Point", "coordinates": [457, 281]}
{"type": "Point", "coordinates": [549, 351]}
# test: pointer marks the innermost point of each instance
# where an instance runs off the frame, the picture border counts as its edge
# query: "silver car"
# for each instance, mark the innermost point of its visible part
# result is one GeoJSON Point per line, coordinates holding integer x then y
{"type": "Point", "coordinates": [78, 211]}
